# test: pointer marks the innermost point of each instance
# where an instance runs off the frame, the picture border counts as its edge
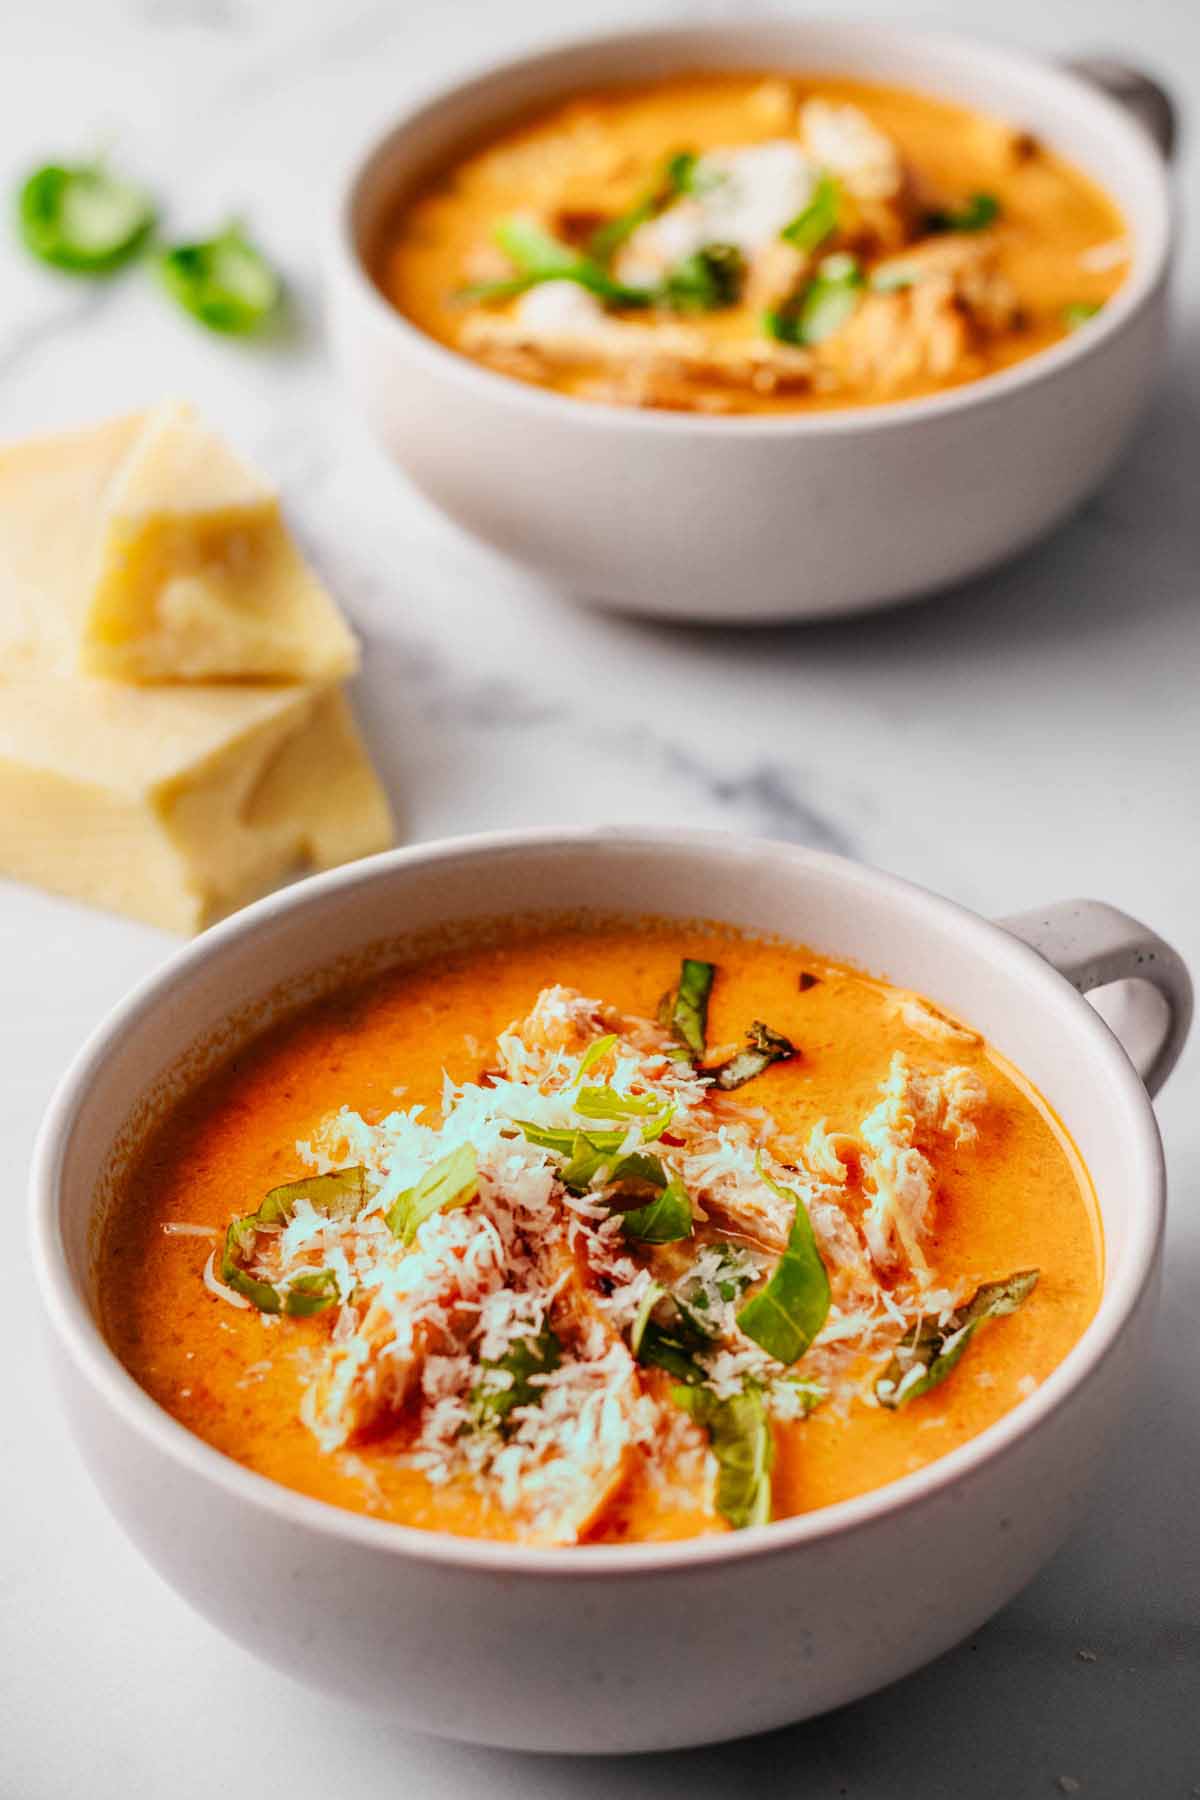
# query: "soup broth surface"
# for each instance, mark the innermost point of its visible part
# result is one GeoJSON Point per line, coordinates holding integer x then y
{"type": "Point", "coordinates": [1007, 1192]}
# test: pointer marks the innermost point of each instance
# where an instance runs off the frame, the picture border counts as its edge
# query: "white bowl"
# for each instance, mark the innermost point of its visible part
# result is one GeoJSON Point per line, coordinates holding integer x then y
{"type": "Point", "coordinates": [647, 1646]}
{"type": "Point", "coordinates": [743, 518]}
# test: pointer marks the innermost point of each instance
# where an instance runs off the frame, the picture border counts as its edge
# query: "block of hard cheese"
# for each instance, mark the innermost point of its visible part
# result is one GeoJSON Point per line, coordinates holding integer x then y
{"type": "Point", "coordinates": [144, 550]}
{"type": "Point", "coordinates": [177, 804]}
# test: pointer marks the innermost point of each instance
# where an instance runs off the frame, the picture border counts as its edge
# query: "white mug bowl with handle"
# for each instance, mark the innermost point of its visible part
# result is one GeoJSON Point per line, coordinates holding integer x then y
{"type": "Point", "coordinates": [548, 1649]}
{"type": "Point", "coordinates": [745, 519]}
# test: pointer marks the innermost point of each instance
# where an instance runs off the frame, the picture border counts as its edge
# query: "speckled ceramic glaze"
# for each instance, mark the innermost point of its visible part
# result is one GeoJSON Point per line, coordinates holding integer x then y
{"type": "Point", "coordinates": [763, 518]}
{"type": "Point", "coordinates": [546, 1649]}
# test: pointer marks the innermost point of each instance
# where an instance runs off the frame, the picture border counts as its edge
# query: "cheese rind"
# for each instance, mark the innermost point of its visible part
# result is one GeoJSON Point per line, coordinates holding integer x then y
{"type": "Point", "coordinates": [176, 805]}
{"type": "Point", "coordinates": [146, 551]}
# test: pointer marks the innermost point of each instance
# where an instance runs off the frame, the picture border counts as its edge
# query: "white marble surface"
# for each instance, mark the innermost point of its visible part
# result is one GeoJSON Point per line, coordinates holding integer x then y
{"type": "Point", "coordinates": [1034, 736]}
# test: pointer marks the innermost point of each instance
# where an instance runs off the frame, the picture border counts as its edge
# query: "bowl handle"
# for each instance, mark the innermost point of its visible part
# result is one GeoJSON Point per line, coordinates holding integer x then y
{"type": "Point", "coordinates": [1149, 1002]}
{"type": "Point", "coordinates": [1148, 101]}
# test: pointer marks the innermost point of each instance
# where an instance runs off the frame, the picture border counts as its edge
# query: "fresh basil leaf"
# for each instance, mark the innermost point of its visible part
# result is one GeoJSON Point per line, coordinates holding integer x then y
{"type": "Point", "coordinates": [590, 1158]}
{"type": "Point", "coordinates": [675, 180]}
{"type": "Point", "coordinates": [449, 1183]}
{"type": "Point", "coordinates": [707, 280]}
{"type": "Point", "coordinates": [80, 218]}
{"type": "Point", "coordinates": [739, 1432]}
{"type": "Point", "coordinates": [664, 1336]}
{"type": "Point", "coordinates": [226, 282]}
{"type": "Point", "coordinates": [595, 1053]}
{"type": "Point", "coordinates": [980, 211]}
{"type": "Point", "coordinates": [665, 1220]}
{"type": "Point", "coordinates": [785, 1316]}
{"type": "Point", "coordinates": [1079, 312]}
{"type": "Point", "coordinates": [493, 1401]}
{"type": "Point", "coordinates": [311, 1294]}
{"type": "Point", "coordinates": [562, 1139]}
{"type": "Point", "coordinates": [819, 220]}
{"type": "Point", "coordinates": [650, 1299]}
{"type": "Point", "coordinates": [339, 1194]}
{"type": "Point", "coordinates": [937, 1349]}
{"type": "Point", "coordinates": [685, 1008]}
{"type": "Point", "coordinates": [763, 1047]}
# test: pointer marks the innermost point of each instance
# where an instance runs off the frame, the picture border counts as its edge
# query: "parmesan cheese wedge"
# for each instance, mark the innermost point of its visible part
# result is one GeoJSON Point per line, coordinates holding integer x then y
{"type": "Point", "coordinates": [178, 804]}
{"type": "Point", "coordinates": [143, 549]}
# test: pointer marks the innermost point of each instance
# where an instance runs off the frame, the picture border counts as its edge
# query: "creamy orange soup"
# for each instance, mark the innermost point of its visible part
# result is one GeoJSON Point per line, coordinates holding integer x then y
{"type": "Point", "coordinates": [485, 1316]}
{"type": "Point", "coordinates": [751, 243]}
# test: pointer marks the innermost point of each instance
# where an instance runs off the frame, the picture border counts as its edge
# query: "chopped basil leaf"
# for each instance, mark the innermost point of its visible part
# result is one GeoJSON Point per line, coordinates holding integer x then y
{"type": "Point", "coordinates": [340, 1194]}
{"type": "Point", "coordinates": [980, 211]}
{"type": "Point", "coordinates": [821, 307]}
{"type": "Point", "coordinates": [665, 1336]}
{"type": "Point", "coordinates": [819, 220]}
{"type": "Point", "coordinates": [539, 257]}
{"type": "Point", "coordinates": [1079, 312]}
{"type": "Point", "coordinates": [650, 1299]}
{"type": "Point", "coordinates": [785, 1316]}
{"type": "Point", "coordinates": [606, 1103]}
{"type": "Point", "coordinates": [676, 180]}
{"type": "Point", "coordinates": [225, 281]}
{"type": "Point", "coordinates": [705, 281]}
{"type": "Point", "coordinates": [685, 1008]}
{"type": "Point", "coordinates": [493, 1400]}
{"type": "Point", "coordinates": [310, 1294]}
{"type": "Point", "coordinates": [562, 1139]}
{"type": "Point", "coordinates": [934, 1350]}
{"type": "Point", "coordinates": [739, 1432]}
{"type": "Point", "coordinates": [449, 1183]}
{"type": "Point", "coordinates": [763, 1047]}
{"type": "Point", "coordinates": [591, 1157]}
{"type": "Point", "coordinates": [665, 1220]}
{"type": "Point", "coordinates": [595, 1052]}
{"type": "Point", "coordinates": [82, 219]}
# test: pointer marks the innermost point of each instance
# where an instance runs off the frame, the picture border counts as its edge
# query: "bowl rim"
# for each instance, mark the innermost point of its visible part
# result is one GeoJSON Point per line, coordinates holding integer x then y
{"type": "Point", "coordinates": [112, 1386]}
{"type": "Point", "coordinates": [345, 260]}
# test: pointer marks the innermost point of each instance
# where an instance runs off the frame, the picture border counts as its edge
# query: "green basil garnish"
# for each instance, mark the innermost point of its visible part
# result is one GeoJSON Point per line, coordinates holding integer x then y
{"type": "Point", "coordinates": [937, 1349]}
{"type": "Point", "coordinates": [563, 1139]}
{"type": "Point", "coordinates": [607, 1103]}
{"type": "Point", "coordinates": [340, 1194]}
{"type": "Point", "coordinates": [819, 220]}
{"type": "Point", "coordinates": [676, 180]}
{"type": "Point", "coordinates": [539, 1355]}
{"type": "Point", "coordinates": [1079, 312]}
{"type": "Point", "coordinates": [224, 281]}
{"type": "Point", "coordinates": [980, 211]}
{"type": "Point", "coordinates": [763, 1047]}
{"type": "Point", "coordinates": [538, 257]}
{"type": "Point", "coordinates": [80, 218]}
{"type": "Point", "coordinates": [785, 1316]}
{"type": "Point", "coordinates": [685, 1008]}
{"type": "Point", "coordinates": [594, 1052]}
{"type": "Point", "coordinates": [821, 307]}
{"type": "Point", "coordinates": [664, 1220]}
{"type": "Point", "coordinates": [449, 1183]}
{"type": "Point", "coordinates": [705, 281]}
{"type": "Point", "coordinates": [739, 1432]}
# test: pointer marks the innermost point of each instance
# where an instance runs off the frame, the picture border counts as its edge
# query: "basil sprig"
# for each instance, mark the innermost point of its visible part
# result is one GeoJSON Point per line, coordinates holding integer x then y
{"type": "Point", "coordinates": [341, 1194]}
{"type": "Point", "coordinates": [980, 211]}
{"type": "Point", "coordinates": [739, 1432]}
{"type": "Point", "coordinates": [492, 1400]}
{"type": "Point", "coordinates": [821, 307]}
{"type": "Point", "coordinates": [785, 1316]}
{"type": "Point", "coordinates": [763, 1047]}
{"type": "Point", "coordinates": [685, 1007]}
{"type": "Point", "coordinates": [937, 1349]}
{"type": "Point", "coordinates": [451, 1182]}
{"type": "Point", "coordinates": [819, 220]}
{"type": "Point", "coordinates": [225, 281]}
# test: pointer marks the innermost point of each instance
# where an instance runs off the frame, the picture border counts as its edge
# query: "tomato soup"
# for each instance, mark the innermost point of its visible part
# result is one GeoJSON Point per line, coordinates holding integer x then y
{"type": "Point", "coordinates": [754, 243]}
{"type": "Point", "coordinates": [602, 1234]}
